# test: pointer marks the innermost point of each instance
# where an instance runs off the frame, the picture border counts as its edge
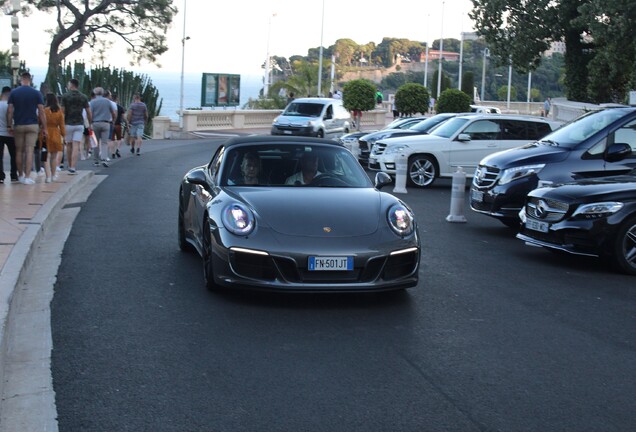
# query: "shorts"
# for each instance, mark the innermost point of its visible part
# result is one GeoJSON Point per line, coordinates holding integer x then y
{"type": "Point", "coordinates": [74, 133]}
{"type": "Point", "coordinates": [136, 130]}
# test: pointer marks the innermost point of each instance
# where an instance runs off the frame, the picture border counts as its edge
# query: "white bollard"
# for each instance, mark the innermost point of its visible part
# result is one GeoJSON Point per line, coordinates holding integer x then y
{"type": "Point", "coordinates": [457, 197]}
{"type": "Point", "coordinates": [401, 167]}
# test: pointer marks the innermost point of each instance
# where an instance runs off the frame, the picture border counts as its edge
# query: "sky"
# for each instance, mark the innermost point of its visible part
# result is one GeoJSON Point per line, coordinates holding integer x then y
{"type": "Point", "coordinates": [232, 37]}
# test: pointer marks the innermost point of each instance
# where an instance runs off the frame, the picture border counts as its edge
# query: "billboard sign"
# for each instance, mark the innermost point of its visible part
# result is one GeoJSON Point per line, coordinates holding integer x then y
{"type": "Point", "coordinates": [220, 90]}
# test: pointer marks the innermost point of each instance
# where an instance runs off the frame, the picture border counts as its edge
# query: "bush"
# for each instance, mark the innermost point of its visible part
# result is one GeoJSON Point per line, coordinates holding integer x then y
{"type": "Point", "coordinates": [502, 93]}
{"type": "Point", "coordinates": [412, 98]}
{"type": "Point", "coordinates": [453, 101]}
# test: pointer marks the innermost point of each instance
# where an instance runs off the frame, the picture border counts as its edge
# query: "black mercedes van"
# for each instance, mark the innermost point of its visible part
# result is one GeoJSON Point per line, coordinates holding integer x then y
{"type": "Point", "coordinates": [597, 144]}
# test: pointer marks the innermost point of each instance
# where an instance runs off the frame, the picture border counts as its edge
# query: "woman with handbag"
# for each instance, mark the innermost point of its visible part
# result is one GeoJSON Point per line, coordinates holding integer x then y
{"type": "Point", "coordinates": [54, 141]}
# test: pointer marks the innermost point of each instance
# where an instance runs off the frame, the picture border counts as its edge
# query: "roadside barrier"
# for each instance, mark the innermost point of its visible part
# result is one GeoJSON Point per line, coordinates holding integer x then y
{"type": "Point", "coordinates": [457, 197]}
{"type": "Point", "coordinates": [401, 165]}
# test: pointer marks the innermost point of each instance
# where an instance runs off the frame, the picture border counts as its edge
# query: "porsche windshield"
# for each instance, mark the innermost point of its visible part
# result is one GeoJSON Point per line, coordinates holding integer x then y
{"type": "Point", "coordinates": [302, 109]}
{"type": "Point", "coordinates": [290, 165]}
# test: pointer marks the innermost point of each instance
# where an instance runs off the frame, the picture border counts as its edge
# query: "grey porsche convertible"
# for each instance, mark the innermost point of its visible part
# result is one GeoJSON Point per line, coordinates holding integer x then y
{"type": "Point", "coordinates": [295, 214]}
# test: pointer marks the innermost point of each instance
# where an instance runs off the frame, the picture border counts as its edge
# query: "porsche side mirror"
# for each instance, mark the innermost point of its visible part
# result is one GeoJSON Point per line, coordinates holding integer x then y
{"type": "Point", "coordinates": [197, 177]}
{"type": "Point", "coordinates": [382, 179]}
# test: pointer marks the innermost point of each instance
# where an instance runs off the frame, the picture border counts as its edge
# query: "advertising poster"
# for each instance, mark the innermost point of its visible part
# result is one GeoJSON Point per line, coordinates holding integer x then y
{"type": "Point", "coordinates": [209, 90]}
{"type": "Point", "coordinates": [220, 90]}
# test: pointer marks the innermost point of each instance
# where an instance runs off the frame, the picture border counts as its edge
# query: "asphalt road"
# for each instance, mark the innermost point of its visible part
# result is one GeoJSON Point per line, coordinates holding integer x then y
{"type": "Point", "coordinates": [498, 336]}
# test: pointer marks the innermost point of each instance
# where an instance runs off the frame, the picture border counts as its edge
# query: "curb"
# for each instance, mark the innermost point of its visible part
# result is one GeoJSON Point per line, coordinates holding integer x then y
{"type": "Point", "coordinates": [19, 260]}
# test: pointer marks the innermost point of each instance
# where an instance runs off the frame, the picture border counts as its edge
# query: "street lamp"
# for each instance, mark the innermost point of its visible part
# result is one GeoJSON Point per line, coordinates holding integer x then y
{"type": "Point", "coordinates": [509, 82]}
{"type": "Point", "coordinates": [322, 27]}
{"type": "Point", "coordinates": [428, 20]}
{"type": "Point", "coordinates": [441, 55]}
{"type": "Point", "coordinates": [483, 72]}
{"type": "Point", "coordinates": [266, 81]}
{"type": "Point", "coordinates": [183, 40]}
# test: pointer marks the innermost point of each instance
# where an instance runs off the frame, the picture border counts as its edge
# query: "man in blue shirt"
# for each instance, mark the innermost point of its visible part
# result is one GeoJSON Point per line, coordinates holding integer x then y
{"type": "Point", "coordinates": [26, 107]}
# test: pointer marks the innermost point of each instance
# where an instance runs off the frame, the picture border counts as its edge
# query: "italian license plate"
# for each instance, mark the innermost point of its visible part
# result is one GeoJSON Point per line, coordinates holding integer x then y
{"type": "Point", "coordinates": [320, 263]}
{"type": "Point", "coordinates": [536, 225]}
{"type": "Point", "coordinates": [476, 195]}
{"type": "Point", "coordinates": [287, 132]}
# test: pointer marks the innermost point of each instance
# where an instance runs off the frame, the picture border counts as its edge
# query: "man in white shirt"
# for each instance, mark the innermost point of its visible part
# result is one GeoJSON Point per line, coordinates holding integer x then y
{"type": "Point", "coordinates": [308, 170]}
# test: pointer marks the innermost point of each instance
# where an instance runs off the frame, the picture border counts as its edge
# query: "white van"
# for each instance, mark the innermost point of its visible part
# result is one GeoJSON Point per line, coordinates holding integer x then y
{"type": "Point", "coordinates": [461, 141]}
{"type": "Point", "coordinates": [316, 117]}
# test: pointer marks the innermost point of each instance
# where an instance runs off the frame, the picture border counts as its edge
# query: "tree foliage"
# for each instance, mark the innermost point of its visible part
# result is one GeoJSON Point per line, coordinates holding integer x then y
{"type": "Point", "coordinates": [412, 98]}
{"type": "Point", "coordinates": [468, 83]}
{"type": "Point", "coordinates": [453, 101]}
{"type": "Point", "coordinates": [502, 93]}
{"type": "Point", "coordinates": [359, 95]}
{"type": "Point", "coordinates": [140, 24]}
{"type": "Point", "coordinates": [445, 83]}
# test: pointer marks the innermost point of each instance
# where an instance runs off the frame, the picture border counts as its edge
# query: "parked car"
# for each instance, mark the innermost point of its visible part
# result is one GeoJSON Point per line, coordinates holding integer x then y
{"type": "Point", "coordinates": [315, 117]}
{"type": "Point", "coordinates": [593, 217]}
{"type": "Point", "coordinates": [600, 143]}
{"type": "Point", "coordinates": [259, 220]}
{"type": "Point", "coordinates": [422, 127]}
{"type": "Point", "coordinates": [482, 109]}
{"type": "Point", "coordinates": [461, 141]}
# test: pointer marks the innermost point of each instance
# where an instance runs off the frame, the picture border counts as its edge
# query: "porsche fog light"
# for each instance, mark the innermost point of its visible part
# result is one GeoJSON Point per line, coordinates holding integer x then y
{"type": "Point", "coordinates": [401, 220]}
{"type": "Point", "coordinates": [238, 220]}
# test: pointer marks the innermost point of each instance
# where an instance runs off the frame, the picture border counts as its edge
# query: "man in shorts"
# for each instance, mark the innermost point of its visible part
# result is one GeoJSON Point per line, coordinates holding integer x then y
{"type": "Point", "coordinates": [73, 104]}
{"type": "Point", "coordinates": [25, 111]}
{"type": "Point", "coordinates": [103, 117]}
{"type": "Point", "coordinates": [137, 118]}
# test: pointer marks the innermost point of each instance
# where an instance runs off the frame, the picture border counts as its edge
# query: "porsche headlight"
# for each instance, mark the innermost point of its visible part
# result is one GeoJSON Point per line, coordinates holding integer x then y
{"type": "Point", "coordinates": [238, 220]}
{"type": "Point", "coordinates": [401, 220]}
{"type": "Point", "coordinates": [396, 149]}
{"type": "Point", "coordinates": [515, 173]}
{"type": "Point", "coordinates": [597, 210]}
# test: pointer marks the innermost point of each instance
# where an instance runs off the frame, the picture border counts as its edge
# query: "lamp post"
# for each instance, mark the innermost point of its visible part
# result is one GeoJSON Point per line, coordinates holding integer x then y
{"type": "Point", "coordinates": [509, 82]}
{"type": "Point", "coordinates": [441, 55]}
{"type": "Point", "coordinates": [267, 68]}
{"type": "Point", "coordinates": [15, 38]}
{"type": "Point", "coordinates": [483, 72]}
{"type": "Point", "coordinates": [183, 40]}
{"type": "Point", "coordinates": [428, 19]}
{"type": "Point", "coordinates": [322, 27]}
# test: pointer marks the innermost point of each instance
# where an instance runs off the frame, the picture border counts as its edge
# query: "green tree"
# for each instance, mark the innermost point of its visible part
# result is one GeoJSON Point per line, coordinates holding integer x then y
{"type": "Point", "coordinates": [453, 101]}
{"type": "Point", "coordinates": [521, 31]}
{"type": "Point", "coordinates": [357, 96]}
{"type": "Point", "coordinates": [502, 93]}
{"type": "Point", "coordinates": [412, 98]}
{"type": "Point", "coordinates": [468, 83]}
{"type": "Point", "coordinates": [445, 84]}
{"type": "Point", "coordinates": [140, 24]}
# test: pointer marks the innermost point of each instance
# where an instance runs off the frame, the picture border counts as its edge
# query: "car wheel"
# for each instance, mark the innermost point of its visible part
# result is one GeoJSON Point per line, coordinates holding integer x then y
{"type": "Point", "coordinates": [625, 247]}
{"type": "Point", "coordinates": [183, 244]}
{"type": "Point", "coordinates": [422, 170]}
{"type": "Point", "coordinates": [320, 134]}
{"type": "Point", "coordinates": [208, 268]}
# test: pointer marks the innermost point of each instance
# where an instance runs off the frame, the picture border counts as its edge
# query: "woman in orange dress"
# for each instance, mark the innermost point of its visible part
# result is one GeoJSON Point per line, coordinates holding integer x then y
{"type": "Point", "coordinates": [55, 139]}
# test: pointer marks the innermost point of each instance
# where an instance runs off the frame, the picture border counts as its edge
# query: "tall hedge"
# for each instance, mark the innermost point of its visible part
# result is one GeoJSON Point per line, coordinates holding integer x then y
{"type": "Point", "coordinates": [359, 95]}
{"type": "Point", "coordinates": [412, 98]}
{"type": "Point", "coordinates": [453, 101]}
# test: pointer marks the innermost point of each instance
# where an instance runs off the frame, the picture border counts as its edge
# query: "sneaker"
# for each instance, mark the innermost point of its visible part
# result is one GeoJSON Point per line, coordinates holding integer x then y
{"type": "Point", "coordinates": [55, 177]}
{"type": "Point", "coordinates": [107, 160]}
{"type": "Point", "coordinates": [82, 157]}
{"type": "Point", "coordinates": [71, 171]}
{"type": "Point", "coordinates": [28, 181]}
{"type": "Point", "coordinates": [113, 156]}
{"type": "Point", "coordinates": [104, 164]}
{"type": "Point", "coordinates": [117, 154]}
{"type": "Point", "coordinates": [41, 172]}
{"type": "Point", "coordinates": [132, 149]}
{"type": "Point", "coordinates": [47, 180]}
{"type": "Point", "coordinates": [21, 179]}
{"type": "Point", "coordinates": [1, 181]}
{"type": "Point", "coordinates": [95, 163]}
{"type": "Point", "coordinates": [58, 169]}
{"type": "Point", "coordinates": [14, 179]}
{"type": "Point", "coordinates": [138, 154]}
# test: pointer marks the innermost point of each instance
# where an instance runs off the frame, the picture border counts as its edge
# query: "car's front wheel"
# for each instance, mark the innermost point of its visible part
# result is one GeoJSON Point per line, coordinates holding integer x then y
{"type": "Point", "coordinates": [422, 170]}
{"type": "Point", "coordinates": [625, 247]}
{"type": "Point", "coordinates": [208, 267]}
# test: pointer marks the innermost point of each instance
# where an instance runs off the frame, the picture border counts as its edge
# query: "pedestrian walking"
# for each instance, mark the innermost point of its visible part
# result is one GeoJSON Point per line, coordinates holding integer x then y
{"type": "Point", "coordinates": [74, 104]}
{"type": "Point", "coordinates": [25, 114]}
{"type": "Point", "coordinates": [6, 138]}
{"type": "Point", "coordinates": [103, 117]}
{"type": "Point", "coordinates": [546, 106]}
{"type": "Point", "coordinates": [118, 127]}
{"type": "Point", "coordinates": [136, 118]}
{"type": "Point", "coordinates": [54, 142]}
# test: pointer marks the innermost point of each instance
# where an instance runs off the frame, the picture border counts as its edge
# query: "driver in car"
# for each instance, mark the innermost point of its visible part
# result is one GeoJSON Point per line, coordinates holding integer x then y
{"type": "Point", "coordinates": [308, 170]}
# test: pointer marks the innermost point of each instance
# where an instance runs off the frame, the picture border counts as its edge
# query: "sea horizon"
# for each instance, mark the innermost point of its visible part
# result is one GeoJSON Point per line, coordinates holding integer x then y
{"type": "Point", "coordinates": [168, 85]}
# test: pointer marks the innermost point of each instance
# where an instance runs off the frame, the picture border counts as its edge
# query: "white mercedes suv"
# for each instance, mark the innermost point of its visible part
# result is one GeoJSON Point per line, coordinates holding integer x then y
{"type": "Point", "coordinates": [461, 141]}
